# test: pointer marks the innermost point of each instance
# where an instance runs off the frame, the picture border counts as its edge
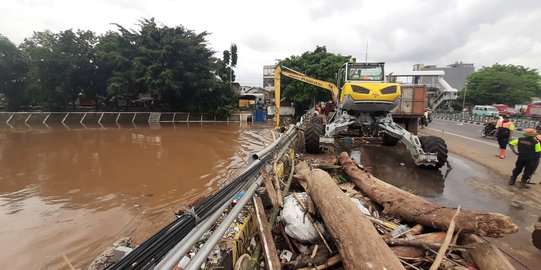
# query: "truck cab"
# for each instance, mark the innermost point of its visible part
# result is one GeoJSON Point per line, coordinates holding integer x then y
{"type": "Point", "coordinates": [362, 87]}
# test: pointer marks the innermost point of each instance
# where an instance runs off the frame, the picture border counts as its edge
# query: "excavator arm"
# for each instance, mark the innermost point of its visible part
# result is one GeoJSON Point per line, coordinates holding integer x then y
{"type": "Point", "coordinates": [280, 71]}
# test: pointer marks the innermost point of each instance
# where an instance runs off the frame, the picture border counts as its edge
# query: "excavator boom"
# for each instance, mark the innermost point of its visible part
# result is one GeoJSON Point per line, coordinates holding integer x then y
{"type": "Point", "coordinates": [280, 71]}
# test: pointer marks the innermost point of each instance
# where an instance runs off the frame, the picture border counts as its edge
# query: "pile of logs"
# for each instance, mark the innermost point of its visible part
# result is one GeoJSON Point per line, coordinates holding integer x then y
{"type": "Point", "coordinates": [437, 237]}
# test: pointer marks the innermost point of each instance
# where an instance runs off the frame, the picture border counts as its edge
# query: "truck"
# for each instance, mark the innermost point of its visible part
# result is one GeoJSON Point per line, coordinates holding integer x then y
{"type": "Point", "coordinates": [364, 103]}
{"type": "Point", "coordinates": [505, 110]}
{"type": "Point", "coordinates": [533, 109]}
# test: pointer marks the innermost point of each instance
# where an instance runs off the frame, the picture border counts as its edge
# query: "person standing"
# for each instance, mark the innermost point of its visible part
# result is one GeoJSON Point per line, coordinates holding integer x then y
{"type": "Point", "coordinates": [528, 150]}
{"type": "Point", "coordinates": [538, 137]}
{"type": "Point", "coordinates": [503, 134]}
{"type": "Point", "coordinates": [424, 119]}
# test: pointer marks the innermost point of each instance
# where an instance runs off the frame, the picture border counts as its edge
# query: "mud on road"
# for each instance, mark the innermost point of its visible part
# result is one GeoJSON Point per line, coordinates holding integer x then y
{"type": "Point", "coordinates": [474, 179]}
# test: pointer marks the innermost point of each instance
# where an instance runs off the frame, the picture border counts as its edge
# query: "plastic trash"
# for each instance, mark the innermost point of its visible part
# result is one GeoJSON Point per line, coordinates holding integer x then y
{"type": "Point", "coordinates": [286, 255]}
{"type": "Point", "coordinates": [297, 223]}
{"type": "Point", "coordinates": [361, 207]}
{"type": "Point", "coordinates": [399, 230]}
{"type": "Point", "coordinates": [356, 155]}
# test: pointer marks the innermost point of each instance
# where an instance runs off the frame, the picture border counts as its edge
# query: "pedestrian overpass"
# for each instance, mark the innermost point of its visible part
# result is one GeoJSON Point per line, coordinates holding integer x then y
{"type": "Point", "coordinates": [439, 91]}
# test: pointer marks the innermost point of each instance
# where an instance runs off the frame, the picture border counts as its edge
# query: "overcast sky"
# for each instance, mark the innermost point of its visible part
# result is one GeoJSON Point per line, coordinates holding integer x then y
{"type": "Point", "coordinates": [399, 32]}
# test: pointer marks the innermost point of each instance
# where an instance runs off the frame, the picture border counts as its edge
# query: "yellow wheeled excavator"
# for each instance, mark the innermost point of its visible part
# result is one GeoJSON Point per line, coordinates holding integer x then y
{"type": "Point", "coordinates": [363, 102]}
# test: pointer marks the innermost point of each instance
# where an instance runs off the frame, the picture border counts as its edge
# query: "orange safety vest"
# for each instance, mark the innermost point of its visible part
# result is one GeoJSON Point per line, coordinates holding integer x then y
{"type": "Point", "coordinates": [504, 129]}
{"type": "Point", "coordinates": [506, 125]}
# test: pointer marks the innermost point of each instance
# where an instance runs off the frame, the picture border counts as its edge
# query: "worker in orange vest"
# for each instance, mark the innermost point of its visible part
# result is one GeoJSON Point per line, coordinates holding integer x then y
{"type": "Point", "coordinates": [503, 134]}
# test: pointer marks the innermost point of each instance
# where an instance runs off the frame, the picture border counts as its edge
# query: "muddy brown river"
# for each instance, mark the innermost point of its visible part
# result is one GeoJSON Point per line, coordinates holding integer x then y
{"type": "Point", "coordinates": [77, 190]}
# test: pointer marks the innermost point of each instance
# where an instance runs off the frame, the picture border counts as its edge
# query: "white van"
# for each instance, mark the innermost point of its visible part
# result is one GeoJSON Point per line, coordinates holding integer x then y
{"type": "Point", "coordinates": [483, 110]}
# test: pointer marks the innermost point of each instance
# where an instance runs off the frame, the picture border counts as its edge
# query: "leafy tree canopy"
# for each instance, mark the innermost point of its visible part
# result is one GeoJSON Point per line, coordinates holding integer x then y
{"type": "Point", "coordinates": [13, 68]}
{"type": "Point", "coordinates": [172, 64]}
{"type": "Point", "coordinates": [506, 84]}
{"type": "Point", "coordinates": [62, 66]}
{"type": "Point", "coordinates": [318, 64]}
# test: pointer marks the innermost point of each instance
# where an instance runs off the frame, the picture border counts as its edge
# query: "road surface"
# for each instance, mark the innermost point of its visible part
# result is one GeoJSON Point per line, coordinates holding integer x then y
{"type": "Point", "coordinates": [488, 186]}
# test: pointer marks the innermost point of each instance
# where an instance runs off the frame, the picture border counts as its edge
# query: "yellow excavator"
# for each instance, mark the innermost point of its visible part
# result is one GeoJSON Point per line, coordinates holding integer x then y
{"type": "Point", "coordinates": [363, 102]}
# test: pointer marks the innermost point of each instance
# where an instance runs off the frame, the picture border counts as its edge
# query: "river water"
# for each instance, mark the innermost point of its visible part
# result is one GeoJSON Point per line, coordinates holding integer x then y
{"type": "Point", "coordinates": [76, 190]}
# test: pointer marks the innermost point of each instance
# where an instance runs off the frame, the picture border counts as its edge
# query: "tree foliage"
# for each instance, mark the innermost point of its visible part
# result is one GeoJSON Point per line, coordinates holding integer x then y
{"type": "Point", "coordinates": [234, 55]}
{"type": "Point", "coordinates": [318, 64]}
{"type": "Point", "coordinates": [13, 69]}
{"type": "Point", "coordinates": [506, 84]}
{"type": "Point", "coordinates": [62, 66]}
{"type": "Point", "coordinates": [172, 64]}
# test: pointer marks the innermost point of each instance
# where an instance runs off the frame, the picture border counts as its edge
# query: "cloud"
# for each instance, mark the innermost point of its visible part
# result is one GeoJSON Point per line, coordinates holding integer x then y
{"type": "Point", "coordinates": [399, 32]}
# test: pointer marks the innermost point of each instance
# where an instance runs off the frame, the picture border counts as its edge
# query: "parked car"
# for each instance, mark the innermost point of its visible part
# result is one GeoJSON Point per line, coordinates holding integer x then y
{"type": "Point", "coordinates": [485, 110]}
{"type": "Point", "coordinates": [505, 110]}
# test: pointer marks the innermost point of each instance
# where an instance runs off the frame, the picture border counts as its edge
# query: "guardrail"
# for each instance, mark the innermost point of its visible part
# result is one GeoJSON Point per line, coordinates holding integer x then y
{"type": "Point", "coordinates": [519, 121]}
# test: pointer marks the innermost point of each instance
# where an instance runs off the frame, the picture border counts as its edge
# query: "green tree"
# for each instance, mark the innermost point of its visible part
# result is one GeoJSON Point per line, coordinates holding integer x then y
{"type": "Point", "coordinates": [76, 56]}
{"type": "Point", "coordinates": [173, 64]}
{"type": "Point", "coordinates": [230, 61]}
{"type": "Point", "coordinates": [234, 56]}
{"type": "Point", "coordinates": [318, 64]}
{"type": "Point", "coordinates": [13, 73]}
{"type": "Point", "coordinates": [115, 52]}
{"type": "Point", "coordinates": [62, 67]}
{"type": "Point", "coordinates": [45, 73]}
{"type": "Point", "coordinates": [506, 84]}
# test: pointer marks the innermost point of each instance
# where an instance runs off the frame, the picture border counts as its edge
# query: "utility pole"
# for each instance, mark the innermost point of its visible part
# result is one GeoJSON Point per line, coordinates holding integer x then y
{"type": "Point", "coordinates": [230, 68]}
{"type": "Point", "coordinates": [366, 53]}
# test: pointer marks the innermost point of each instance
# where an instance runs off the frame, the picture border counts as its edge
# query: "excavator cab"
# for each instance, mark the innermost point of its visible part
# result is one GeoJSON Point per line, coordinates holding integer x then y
{"type": "Point", "coordinates": [363, 88]}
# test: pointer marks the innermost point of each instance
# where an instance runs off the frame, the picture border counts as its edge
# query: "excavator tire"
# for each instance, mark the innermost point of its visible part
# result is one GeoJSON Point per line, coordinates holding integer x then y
{"type": "Point", "coordinates": [433, 144]}
{"type": "Point", "coordinates": [313, 131]}
{"type": "Point", "coordinates": [389, 140]}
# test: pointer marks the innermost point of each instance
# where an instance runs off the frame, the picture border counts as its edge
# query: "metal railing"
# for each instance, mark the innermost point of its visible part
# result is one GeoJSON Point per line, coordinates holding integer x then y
{"type": "Point", "coordinates": [520, 122]}
{"type": "Point", "coordinates": [99, 118]}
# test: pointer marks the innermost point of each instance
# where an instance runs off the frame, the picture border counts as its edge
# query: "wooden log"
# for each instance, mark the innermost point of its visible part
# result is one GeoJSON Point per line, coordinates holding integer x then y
{"type": "Point", "coordinates": [417, 210]}
{"type": "Point", "coordinates": [446, 242]}
{"type": "Point", "coordinates": [270, 189]}
{"type": "Point", "coordinates": [418, 243]}
{"type": "Point", "coordinates": [330, 262]}
{"type": "Point", "coordinates": [485, 254]}
{"type": "Point", "coordinates": [408, 252]}
{"type": "Point", "coordinates": [269, 248]}
{"type": "Point", "coordinates": [359, 244]}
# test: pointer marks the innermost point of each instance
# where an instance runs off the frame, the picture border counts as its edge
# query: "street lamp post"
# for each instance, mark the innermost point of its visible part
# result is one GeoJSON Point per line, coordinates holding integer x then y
{"type": "Point", "coordinates": [464, 98]}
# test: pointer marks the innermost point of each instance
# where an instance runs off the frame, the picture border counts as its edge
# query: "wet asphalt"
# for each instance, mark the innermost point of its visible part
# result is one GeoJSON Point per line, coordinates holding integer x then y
{"type": "Point", "coordinates": [467, 183]}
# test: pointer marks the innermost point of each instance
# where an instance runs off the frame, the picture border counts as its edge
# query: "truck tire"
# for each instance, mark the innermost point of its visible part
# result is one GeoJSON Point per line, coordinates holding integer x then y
{"type": "Point", "coordinates": [389, 140]}
{"type": "Point", "coordinates": [433, 144]}
{"type": "Point", "coordinates": [313, 131]}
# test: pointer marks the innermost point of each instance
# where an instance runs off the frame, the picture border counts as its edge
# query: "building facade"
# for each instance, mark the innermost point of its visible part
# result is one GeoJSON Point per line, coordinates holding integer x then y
{"type": "Point", "coordinates": [268, 77]}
